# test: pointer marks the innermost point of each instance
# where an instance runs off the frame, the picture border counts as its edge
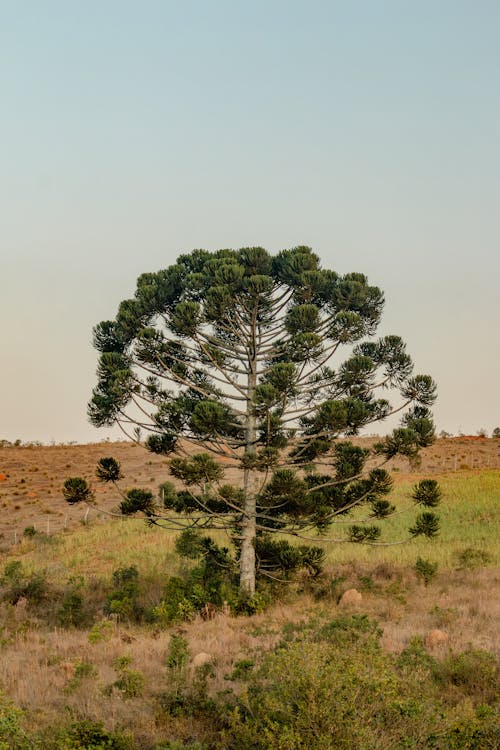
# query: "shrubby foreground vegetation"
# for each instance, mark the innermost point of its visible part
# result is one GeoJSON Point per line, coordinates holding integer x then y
{"type": "Point", "coordinates": [327, 685]}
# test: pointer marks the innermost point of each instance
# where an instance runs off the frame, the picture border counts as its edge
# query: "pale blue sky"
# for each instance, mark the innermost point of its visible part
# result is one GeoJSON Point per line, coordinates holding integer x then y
{"type": "Point", "coordinates": [133, 131]}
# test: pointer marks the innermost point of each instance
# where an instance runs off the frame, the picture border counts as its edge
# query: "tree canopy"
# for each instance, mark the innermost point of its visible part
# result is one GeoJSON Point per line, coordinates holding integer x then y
{"type": "Point", "coordinates": [269, 365]}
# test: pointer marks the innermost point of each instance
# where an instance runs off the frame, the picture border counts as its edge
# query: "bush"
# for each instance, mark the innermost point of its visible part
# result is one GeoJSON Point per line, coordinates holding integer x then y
{"type": "Point", "coordinates": [71, 612]}
{"type": "Point", "coordinates": [175, 604]}
{"type": "Point", "coordinates": [17, 584]}
{"type": "Point", "coordinates": [186, 695]}
{"type": "Point", "coordinates": [473, 674]}
{"type": "Point", "coordinates": [425, 570]}
{"type": "Point", "coordinates": [319, 692]}
{"type": "Point", "coordinates": [90, 735]}
{"type": "Point", "coordinates": [332, 687]}
{"type": "Point", "coordinates": [83, 670]}
{"type": "Point", "coordinates": [129, 682]}
{"type": "Point", "coordinates": [177, 745]}
{"type": "Point", "coordinates": [12, 734]}
{"type": "Point", "coordinates": [101, 631]}
{"type": "Point", "coordinates": [472, 558]}
{"type": "Point", "coordinates": [470, 730]}
{"type": "Point", "coordinates": [123, 601]}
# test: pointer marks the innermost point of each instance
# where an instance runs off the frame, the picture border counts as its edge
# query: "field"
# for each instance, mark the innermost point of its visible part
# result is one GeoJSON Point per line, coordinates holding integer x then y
{"type": "Point", "coordinates": [77, 551]}
{"type": "Point", "coordinates": [31, 477]}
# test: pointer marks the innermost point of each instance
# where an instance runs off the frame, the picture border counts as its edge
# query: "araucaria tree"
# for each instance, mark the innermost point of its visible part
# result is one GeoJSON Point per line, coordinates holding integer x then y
{"type": "Point", "coordinates": [231, 361]}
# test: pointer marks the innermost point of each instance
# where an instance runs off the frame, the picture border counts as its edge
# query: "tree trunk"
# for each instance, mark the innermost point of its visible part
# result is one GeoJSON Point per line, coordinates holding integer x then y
{"type": "Point", "coordinates": [247, 553]}
{"type": "Point", "coordinates": [249, 523]}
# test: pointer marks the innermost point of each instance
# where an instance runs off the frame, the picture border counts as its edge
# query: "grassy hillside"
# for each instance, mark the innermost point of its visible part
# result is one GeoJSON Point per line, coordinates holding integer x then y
{"type": "Point", "coordinates": [66, 658]}
{"type": "Point", "coordinates": [469, 513]}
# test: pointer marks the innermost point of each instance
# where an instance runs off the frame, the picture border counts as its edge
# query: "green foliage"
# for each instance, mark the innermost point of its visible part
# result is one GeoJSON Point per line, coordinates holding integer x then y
{"type": "Point", "coordinates": [230, 351]}
{"type": "Point", "coordinates": [138, 500]}
{"type": "Point", "coordinates": [101, 631]}
{"type": "Point", "coordinates": [161, 444]}
{"type": "Point", "coordinates": [91, 735]}
{"type": "Point", "coordinates": [426, 570]}
{"type": "Point", "coordinates": [175, 605]}
{"type": "Point", "coordinates": [178, 745]}
{"type": "Point", "coordinates": [12, 734]}
{"type": "Point", "coordinates": [186, 694]}
{"type": "Point", "coordinates": [199, 470]}
{"type": "Point", "coordinates": [108, 470]}
{"type": "Point", "coordinates": [416, 658]}
{"type": "Point", "coordinates": [212, 582]}
{"type": "Point", "coordinates": [362, 534]}
{"type": "Point", "coordinates": [77, 490]}
{"type": "Point", "coordinates": [178, 653]}
{"type": "Point", "coordinates": [71, 612]}
{"type": "Point", "coordinates": [312, 689]}
{"type": "Point", "coordinates": [83, 670]}
{"type": "Point", "coordinates": [279, 557]}
{"type": "Point", "coordinates": [331, 686]}
{"type": "Point", "coordinates": [426, 524]}
{"type": "Point", "coordinates": [474, 672]}
{"type": "Point", "coordinates": [244, 604]}
{"type": "Point", "coordinates": [129, 682]}
{"type": "Point", "coordinates": [472, 559]}
{"type": "Point", "coordinates": [348, 629]}
{"type": "Point", "coordinates": [427, 493]}
{"type": "Point", "coordinates": [16, 584]}
{"type": "Point", "coordinates": [242, 669]}
{"type": "Point", "coordinates": [123, 600]}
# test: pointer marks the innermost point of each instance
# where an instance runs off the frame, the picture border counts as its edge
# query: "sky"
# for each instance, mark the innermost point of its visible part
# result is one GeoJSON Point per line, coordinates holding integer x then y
{"type": "Point", "coordinates": [131, 132]}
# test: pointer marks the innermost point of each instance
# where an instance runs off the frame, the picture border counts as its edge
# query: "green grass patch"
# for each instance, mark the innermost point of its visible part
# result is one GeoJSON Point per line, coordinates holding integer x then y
{"type": "Point", "coordinates": [469, 518]}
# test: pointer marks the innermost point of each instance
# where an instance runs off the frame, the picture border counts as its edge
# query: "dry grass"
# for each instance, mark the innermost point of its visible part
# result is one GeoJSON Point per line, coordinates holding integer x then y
{"type": "Point", "coordinates": [38, 664]}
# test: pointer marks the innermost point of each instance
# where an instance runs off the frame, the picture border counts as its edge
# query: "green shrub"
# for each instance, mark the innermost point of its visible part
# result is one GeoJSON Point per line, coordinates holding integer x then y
{"type": "Point", "coordinates": [178, 653]}
{"type": "Point", "coordinates": [123, 600]}
{"type": "Point", "coordinates": [347, 629]}
{"type": "Point", "coordinates": [331, 687]}
{"type": "Point", "coordinates": [101, 631]}
{"type": "Point", "coordinates": [186, 695]}
{"type": "Point", "coordinates": [71, 612]}
{"type": "Point", "coordinates": [175, 605]}
{"type": "Point", "coordinates": [313, 695]}
{"type": "Point", "coordinates": [16, 584]}
{"type": "Point", "coordinates": [91, 735]}
{"type": "Point", "coordinates": [416, 657]}
{"type": "Point", "coordinates": [242, 669]}
{"type": "Point", "coordinates": [129, 682]}
{"type": "Point", "coordinates": [425, 570]}
{"type": "Point", "coordinates": [472, 674]}
{"type": "Point", "coordinates": [472, 559]}
{"type": "Point", "coordinates": [178, 745]}
{"type": "Point", "coordinates": [323, 587]}
{"type": "Point", "coordinates": [83, 670]}
{"type": "Point", "coordinates": [12, 734]}
{"type": "Point", "coordinates": [470, 729]}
